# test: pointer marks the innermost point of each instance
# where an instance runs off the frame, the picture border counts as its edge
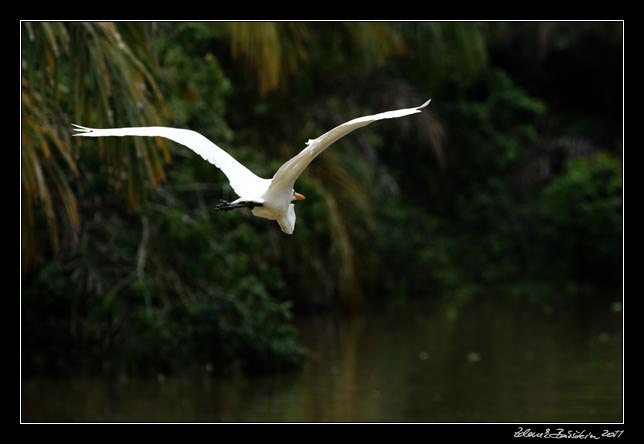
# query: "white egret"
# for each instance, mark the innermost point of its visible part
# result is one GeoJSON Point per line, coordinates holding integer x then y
{"type": "Point", "coordinates": [268, 198]}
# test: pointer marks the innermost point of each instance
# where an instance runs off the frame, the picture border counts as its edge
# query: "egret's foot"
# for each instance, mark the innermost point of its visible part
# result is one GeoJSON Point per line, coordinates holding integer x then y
{"type": "Point", "coordinates": [224, 205]}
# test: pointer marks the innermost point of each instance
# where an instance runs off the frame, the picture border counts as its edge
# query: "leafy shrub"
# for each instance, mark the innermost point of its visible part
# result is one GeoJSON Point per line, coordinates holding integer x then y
{"type": "Point", "coordinates": [582, 219]}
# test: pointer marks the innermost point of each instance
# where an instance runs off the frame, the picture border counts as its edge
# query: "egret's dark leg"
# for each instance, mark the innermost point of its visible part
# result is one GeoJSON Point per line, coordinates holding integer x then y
{"type": "Point", "coordinates": [224, 205]}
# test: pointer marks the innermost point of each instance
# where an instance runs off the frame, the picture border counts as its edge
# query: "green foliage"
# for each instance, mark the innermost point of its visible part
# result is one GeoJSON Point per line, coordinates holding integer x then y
{"type": "Point", "coordinates": [85, 73]}
{"type": "Point", "coordinates": [159, 288]}
{"type": "Point", "coordinates": [443, 55]}
{"type": "Point", "coordinates": [582, 219]}
{"type": "Point", "coordinates": [193, 78]}
{"type": "Point", "coordinates": [434, 206]}
{"type": "Point", "coordinates": [480, 227]}
{"type": "Point", "coordinates": [180, 301]}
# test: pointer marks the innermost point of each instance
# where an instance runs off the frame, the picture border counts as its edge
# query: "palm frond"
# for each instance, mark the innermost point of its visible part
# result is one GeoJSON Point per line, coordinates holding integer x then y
{"type": "Point", "coordinates": [83, 72]}
{"type": "Point", "coordinates": [376, 41]}
{"type": "Point", "coordinates": [273, 50]}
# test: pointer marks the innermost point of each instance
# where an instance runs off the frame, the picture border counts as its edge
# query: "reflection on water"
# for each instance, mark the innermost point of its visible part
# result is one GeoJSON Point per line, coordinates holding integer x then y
{"type": "Point", "coordinates": [483, 363]}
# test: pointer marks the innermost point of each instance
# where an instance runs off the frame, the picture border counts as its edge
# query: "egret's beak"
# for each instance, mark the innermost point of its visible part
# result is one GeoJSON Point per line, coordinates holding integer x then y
{"type": "Point", "coordinates": [299, 196]}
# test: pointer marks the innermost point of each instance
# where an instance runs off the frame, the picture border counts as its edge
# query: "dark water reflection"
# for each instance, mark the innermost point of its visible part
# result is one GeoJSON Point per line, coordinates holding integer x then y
{"type": "Point", "coordinates": [488, 362]}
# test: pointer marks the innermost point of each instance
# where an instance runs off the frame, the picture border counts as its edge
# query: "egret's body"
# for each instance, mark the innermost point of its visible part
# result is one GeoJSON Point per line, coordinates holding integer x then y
{"type": "Point", "coordinates": [268, 198]}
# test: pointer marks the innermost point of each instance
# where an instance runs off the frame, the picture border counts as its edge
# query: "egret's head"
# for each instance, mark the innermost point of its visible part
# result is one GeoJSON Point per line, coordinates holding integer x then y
{"type": "Point", "coordinates": [297, 196]}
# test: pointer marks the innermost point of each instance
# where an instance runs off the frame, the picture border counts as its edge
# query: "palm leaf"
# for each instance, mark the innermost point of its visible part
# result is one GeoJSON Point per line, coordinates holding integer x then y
{"type": "Point", "coordinates": [84, 72]}
{"type": "Point", "coordinates": [273, 50]}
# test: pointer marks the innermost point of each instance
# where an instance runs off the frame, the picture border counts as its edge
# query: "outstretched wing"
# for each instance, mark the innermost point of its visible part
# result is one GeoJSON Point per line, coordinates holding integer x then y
{"type": "Point", "coordinates": [243, 181]}
{"type": "Point", "coordinates": [287, 174]}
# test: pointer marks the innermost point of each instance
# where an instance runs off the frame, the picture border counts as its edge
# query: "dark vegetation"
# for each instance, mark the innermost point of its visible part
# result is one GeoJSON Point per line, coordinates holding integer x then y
{"type": "Point", "coordinates": [511, 180]}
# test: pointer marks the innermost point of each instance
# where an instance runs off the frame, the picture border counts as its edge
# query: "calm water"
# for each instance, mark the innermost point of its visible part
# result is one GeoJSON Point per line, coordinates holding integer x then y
{"type": "Point", "coordinates": [482, 363]}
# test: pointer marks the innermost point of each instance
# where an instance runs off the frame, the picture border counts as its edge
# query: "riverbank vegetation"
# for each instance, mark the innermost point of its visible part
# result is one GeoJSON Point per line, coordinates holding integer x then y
{"type": "Point", "coordinates": [511, 179]}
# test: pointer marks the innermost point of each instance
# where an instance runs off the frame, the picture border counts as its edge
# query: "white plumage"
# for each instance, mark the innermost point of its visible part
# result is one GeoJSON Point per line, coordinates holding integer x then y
{"type": "Point", "coordinates": [268, 198]}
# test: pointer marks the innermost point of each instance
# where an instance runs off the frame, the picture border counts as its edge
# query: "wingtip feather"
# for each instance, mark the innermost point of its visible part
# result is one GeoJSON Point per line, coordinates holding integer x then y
{"type": "Point", "coordinates": [424, 104]}
{"type": "Point", "coordinates": [81, 130]}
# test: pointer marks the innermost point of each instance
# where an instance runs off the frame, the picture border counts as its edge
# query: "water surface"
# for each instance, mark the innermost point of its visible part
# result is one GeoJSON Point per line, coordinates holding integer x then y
{"type": "Point", "coordinates": [485, 362]}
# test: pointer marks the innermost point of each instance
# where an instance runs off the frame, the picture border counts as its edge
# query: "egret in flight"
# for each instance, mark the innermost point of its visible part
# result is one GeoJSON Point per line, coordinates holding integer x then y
{"type": "Point", "coordinates": [268, 198]}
